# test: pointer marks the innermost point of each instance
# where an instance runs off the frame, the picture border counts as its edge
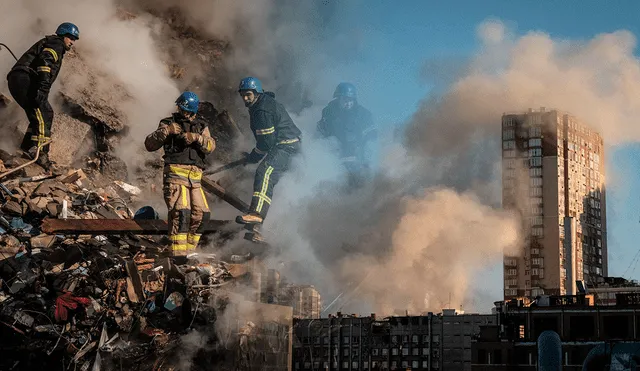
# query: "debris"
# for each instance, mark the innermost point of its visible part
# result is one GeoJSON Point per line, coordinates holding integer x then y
{"type": "Point", "coordinates": [134, 283]}
{"type": "Point", "coordinates": [174, 301]}
{"type": "Point", "coordinates": [42, 241]}
{"type": "Point", "coordinates": [12, 208]}
{"type": "Point", "coordinates": [74, 176]}
{"type": "Point", "coordinates": [82, 280]}
{"type": "Point", "coordinates": [66, 302]}
{"type": "Point", "coordinates": [64, 127]}
{"type": "Point", "coordinates": [128, 187]}
{"type": "Point", "coordinates": [75, 267]}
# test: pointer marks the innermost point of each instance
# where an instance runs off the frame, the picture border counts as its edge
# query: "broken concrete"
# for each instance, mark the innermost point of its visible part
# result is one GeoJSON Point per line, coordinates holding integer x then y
{"type": "Point", "coordinates": [72, 139]}
{"type": "Point", "coordinates": [92, 95]}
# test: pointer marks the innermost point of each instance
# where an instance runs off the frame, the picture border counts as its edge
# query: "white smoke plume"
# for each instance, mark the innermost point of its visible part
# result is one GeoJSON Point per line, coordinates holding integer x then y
{"type": "Point", "coordinates": [122, 52]}
{"type": "Point", "coordinates": [441, 241]}
{"type": "Point", "coordinates": [122, 48]}
{"type": "Point", "coordinates": [596, 80]}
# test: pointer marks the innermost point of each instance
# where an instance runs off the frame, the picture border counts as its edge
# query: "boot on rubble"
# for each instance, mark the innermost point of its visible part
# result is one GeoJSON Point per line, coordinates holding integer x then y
{"type": "Point", "coordinates": [250, 218]}
{"type": "Point", "coordinates": [255, 236]}
{"type": "Point", "coordinates": [44, 162]}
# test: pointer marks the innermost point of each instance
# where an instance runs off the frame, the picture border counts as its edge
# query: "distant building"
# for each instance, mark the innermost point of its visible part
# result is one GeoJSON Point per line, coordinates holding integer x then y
{"type": "Point", "coordinates": [510, 344]}
{"type": "Point", "coordinates": [553, 176]}
{"type": "Point", "coordinates": [257, 339]}
{"type": "Point", "coordinates": [305, 300]}
{"type": "Point", "coordinates": [267, 286]}
{"type": "Point", "coordinates": [607, 292]}
{"type": "Point", "coordinates": [349, 342]}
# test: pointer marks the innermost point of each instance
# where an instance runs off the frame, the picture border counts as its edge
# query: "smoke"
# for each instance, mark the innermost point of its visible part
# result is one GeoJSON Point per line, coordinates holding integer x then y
{"type": "Point", "coordinates": [414, 236]}
{"type": "Point", "coordinates": [121, 67]}
{"type": "Point", "coordinates": [439, 243]}
{"type": "Point", "coordinates": [596, 80]}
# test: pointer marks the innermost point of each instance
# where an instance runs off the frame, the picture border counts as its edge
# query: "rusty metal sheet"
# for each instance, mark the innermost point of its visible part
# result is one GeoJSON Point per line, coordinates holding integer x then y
{"type": "Point", "coordinates": [115, 226]}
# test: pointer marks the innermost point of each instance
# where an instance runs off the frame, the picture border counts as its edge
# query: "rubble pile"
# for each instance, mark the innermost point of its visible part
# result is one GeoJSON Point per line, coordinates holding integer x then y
{"type": "Point", "coordinates": [89, 301]}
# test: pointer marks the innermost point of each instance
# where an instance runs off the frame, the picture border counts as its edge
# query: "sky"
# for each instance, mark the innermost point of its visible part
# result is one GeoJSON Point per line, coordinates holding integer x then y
{"type": "Point", "coordinates": [397, 40]}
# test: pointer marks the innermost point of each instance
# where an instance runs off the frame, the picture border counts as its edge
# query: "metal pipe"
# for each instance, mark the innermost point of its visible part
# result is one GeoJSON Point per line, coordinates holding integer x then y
{"type": "Point", "coordinates": [26, 163]}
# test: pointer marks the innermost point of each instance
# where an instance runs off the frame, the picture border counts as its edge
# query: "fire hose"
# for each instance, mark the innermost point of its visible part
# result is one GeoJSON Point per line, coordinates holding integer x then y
{"type": "Point", "coordinates": [6, 47]}
{"type": "Point", "coordinates": [26, 163]}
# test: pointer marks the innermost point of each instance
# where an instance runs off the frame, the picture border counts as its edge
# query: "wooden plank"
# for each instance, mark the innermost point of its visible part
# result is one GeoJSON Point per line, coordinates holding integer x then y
{"type": "Point", "coordinates": [115, 226]}
{"type": "Point", "coordinates": [216, 189]}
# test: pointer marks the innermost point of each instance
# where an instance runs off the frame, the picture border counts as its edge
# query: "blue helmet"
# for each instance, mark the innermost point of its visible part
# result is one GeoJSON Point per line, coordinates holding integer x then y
{"type": "Point", "coordinates": [68, 29]}
{"type": "Point", "coordinates": [345, 89]}
{"type": "Point", "coordinates": [188, 101]}
{"type": "Point", "coordinates": [146, 212]}
{"type": "Point", "coordinates": [251, 83]}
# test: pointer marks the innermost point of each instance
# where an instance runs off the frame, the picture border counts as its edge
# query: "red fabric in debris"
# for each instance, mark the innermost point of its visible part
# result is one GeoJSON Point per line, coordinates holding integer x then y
{"type": "Point", "coordinates": [68, 301]}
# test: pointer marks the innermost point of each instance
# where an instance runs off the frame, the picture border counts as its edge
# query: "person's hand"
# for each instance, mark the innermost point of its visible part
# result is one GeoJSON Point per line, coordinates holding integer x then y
{"type": "Point", "coordinates": [190, 138]}
{"type": "Point", "coordinates": [41, 97]}
{"type": "Point", "coordinates": [253, 157]}
{"type": "Point", "coordinates": [174, 128]}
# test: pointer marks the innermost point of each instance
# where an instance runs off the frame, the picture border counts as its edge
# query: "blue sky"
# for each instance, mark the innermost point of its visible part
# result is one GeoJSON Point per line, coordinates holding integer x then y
{"type": "Point", "coordinates": [415, 31]}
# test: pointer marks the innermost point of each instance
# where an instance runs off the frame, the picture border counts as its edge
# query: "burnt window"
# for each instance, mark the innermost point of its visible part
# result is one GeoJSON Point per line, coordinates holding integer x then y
{"type": "Point", "coordinates": [615, 327]}
{"type": "Point", "coordinates": [497, 356]}
{"type": "Point", "coordinates": [582, 327]}
{"type": "Point", "coordinates": [542, 324]}
{"type": "Point", "coordinates": [482, 356]}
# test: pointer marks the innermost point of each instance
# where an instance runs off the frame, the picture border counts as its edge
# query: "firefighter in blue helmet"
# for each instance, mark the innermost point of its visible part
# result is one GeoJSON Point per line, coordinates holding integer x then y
{"type": "Point", "coordinates": [352, 126]}
{"type": "Point", "coordinates": [29, 82]}
{"type": "Point", "coordinates": [277, 142]}
{"type": "Point", "coordinates": [186, 142]}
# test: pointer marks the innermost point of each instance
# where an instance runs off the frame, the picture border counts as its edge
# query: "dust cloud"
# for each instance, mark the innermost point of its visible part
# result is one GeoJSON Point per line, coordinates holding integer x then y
{"type": "Point", "coordinates": [431, 212]}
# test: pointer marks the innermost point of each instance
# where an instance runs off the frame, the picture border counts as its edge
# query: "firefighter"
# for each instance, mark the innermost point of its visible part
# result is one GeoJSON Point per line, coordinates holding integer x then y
{"type": "Point", "coordinates": [277, 142]}
{"type": "Point", "coordinates": [186, 142]}
{"type": "Point", "coordinates": [352, 125]}
{"type": "Point", "coordinates": [29, 82]}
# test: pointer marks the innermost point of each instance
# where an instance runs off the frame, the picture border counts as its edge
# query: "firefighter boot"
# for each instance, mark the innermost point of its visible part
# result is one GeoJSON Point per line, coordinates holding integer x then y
{"type": "Point", "coordinates": [250, 218]}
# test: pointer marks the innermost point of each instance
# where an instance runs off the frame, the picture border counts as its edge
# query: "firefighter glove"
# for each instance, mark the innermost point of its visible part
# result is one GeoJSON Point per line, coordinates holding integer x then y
{"type": "Point", "coordinates": [174, 128]}
{"type": "Point", "coordinates": [190, 138]}
{"type": "Point", "coordinates": [253, 157]}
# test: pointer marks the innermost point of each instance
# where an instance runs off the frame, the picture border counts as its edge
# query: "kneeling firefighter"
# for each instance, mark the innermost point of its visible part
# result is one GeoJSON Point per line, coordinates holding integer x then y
{"type": "Point", "coordinates": [186, 144]}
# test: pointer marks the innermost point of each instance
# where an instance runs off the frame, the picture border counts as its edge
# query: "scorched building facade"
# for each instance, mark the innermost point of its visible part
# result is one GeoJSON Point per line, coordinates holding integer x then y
{"type": "Point", "coordinates": [553, 175]}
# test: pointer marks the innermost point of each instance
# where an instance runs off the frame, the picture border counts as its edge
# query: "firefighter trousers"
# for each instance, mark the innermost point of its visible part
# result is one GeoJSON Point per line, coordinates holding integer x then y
{"type": "Point", "coordinates": [40, 114]}
{"type": "Point", "coordinates": [188, 215]}
{"type": "Point", "coordinates": [269, 172]}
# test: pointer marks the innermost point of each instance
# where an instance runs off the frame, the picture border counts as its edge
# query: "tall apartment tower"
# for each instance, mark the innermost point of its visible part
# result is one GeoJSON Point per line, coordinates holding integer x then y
{"type": "Point", "coordinates": [553, 176]}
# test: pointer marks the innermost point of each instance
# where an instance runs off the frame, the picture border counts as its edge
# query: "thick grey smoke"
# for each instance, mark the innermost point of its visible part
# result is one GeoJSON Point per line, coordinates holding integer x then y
{"type": "Point", "coordinates": [453, 141]}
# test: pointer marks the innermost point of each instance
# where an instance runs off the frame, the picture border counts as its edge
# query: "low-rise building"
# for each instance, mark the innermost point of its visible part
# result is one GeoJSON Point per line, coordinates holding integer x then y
{"type": "Point", "coordinates": [424, 342]}
{"type": "Point", "coordinates": [511, 343]}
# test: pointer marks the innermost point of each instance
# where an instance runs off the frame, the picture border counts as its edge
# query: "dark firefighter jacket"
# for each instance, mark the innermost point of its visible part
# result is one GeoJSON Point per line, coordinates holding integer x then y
{"type": "Point", "coordinates": [352, 128]}
{"type": "Point", "coordinates": [43, 60]}
{"type": "Point", "coordinates": [271, 124]}
{"type": "Point", "coordinates": [176, 151]}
